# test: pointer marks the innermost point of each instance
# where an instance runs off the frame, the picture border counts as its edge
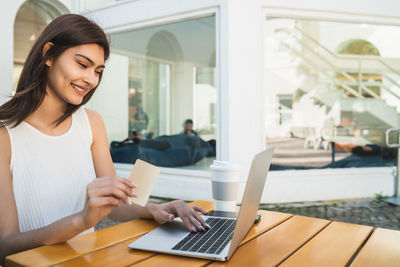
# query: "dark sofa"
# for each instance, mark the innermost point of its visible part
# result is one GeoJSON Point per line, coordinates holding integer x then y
{"type": "Point", "coordinates": [164, 151]}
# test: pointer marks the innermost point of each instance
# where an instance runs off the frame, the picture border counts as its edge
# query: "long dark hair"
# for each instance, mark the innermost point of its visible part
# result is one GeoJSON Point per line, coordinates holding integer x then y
{"type": "Point", "coordinates": [64, 32]}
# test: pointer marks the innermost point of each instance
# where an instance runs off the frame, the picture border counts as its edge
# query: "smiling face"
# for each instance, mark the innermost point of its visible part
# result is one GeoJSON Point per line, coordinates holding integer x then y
{"type": "Point", "coordinates": [74, 73]}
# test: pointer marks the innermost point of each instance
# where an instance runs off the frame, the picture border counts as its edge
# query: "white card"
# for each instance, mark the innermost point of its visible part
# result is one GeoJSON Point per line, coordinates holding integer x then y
{"type": "Point", "coordinates": [144, 175]}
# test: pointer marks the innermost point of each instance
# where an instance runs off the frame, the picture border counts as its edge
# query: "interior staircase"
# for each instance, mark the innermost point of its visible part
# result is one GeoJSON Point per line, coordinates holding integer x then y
{"type": "Point", "coordinates": [371, 102]}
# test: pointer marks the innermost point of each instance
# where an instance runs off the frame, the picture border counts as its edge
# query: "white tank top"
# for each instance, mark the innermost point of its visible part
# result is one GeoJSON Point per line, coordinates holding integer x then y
{"type": "Point", "coordinates": [50, 173]}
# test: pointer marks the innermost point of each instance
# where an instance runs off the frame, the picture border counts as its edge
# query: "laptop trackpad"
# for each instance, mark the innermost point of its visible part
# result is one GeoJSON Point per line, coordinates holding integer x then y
{"type": "Point", "coordinates": [176, 227]}
{"type": "Point", "coordinates": [162, 238]}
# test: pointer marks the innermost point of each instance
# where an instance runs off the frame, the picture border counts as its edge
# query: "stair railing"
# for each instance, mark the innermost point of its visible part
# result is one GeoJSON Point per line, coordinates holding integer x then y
{"type": "Point", "coordinates": [362, 87]}
{"type": "Point", "coordinates": [331, 66]}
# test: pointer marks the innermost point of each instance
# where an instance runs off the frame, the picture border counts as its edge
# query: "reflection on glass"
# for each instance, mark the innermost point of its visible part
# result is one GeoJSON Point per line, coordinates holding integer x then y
{"type": "Point", "coordinates": [332, 91]}
{"type": "Point", "coordinates": [32, 17]}
{"type": "Point", "coordinates": [155, 76]}
{"type": "Point", "coordinates": [171, 80]}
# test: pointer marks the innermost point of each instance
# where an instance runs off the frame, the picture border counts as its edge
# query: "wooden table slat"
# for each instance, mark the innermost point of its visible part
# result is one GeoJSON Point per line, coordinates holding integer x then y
{"type": "Point", "coordinates": [381, 249]}
{"type": "Point", "coordinates": [81, 245]}
{"type": "Point", "coordinates": [279, 238]}
{"type": "Point", "coordinates": [274, 246]}
{"type": "Point", "coordinates": [269, 219]}
{"type": "Point", "coordinates": [116, 255]}
{"type": "Point", "coordinates": [333, 246]}
{"type": "Point", "coordinates": [120, 254]}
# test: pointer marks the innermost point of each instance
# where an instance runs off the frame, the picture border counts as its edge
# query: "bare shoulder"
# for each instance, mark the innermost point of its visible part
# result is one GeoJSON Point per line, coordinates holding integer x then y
{"type": "Point", "coordinates": [96, 124]}
{"type": "Point", "coordinates": [5, 145]}
{"type": "Point", "coordinates": [95, 119]}
{"type": "Point", "coordinates": [93, 115]}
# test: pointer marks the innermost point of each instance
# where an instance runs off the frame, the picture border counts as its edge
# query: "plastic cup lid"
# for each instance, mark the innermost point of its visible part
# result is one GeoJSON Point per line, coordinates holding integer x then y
{"type": "Point", "coordinates": [224, 165]}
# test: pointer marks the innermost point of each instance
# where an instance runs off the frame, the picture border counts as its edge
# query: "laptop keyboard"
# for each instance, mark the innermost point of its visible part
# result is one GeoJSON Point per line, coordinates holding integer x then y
{"type": "Point", "coordinates": [212, 240]}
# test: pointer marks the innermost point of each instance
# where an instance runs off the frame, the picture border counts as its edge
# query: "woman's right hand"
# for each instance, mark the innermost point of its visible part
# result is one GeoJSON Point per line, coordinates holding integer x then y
{"type": "Point", "coordinates": [102, 195]}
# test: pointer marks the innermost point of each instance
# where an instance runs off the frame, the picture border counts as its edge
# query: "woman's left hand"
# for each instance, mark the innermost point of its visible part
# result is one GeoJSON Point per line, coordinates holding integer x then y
{"type": "Point", "coordinates": [167, 212]}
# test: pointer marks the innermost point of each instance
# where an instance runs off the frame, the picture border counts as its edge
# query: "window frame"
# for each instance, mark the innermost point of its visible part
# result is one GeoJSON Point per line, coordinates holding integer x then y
{"type": "Point", "coordinates": [304, 11]}
{"type": "Point", "coordinates": [192, 10]}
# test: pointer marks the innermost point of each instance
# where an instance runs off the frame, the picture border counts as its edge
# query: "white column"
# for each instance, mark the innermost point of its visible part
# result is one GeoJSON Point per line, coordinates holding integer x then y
{"type": "Point", "coordinates": [240, 131]}
{"type": "Point", "coordinates": [183, 95]}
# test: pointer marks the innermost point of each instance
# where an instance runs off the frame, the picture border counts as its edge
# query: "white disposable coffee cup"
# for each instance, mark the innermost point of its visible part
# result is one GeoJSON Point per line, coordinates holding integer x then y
{"type": "Point", "coordinates": [225, 178]}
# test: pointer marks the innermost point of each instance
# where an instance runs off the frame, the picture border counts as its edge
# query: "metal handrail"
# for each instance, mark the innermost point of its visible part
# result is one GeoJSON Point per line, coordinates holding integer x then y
{"type": "Point", "coordinates": [346, 87]}
{"type": "Point", "coordinates": [395, 145]}
{"type": "Point", "coordinates": [369, 91]}
{"type": "Point", "coordinates": [349, 57]}
{"type": "Point", "coordinates": [388, 66]}
{"type": "Point", "coordinates": [346, 57]}
{"type": "Point", "coordinates": [351, 90]}
{"type": "Point", "coordinates": [390, 91]}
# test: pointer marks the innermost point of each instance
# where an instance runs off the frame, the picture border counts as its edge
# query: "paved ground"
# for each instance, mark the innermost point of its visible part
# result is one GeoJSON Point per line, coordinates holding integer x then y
{"type": "Point", "coordinates": [373, 212]}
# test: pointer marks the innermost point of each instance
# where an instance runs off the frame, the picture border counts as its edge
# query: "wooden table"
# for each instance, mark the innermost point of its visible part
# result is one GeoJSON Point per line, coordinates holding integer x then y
{"type": "Point", "coordinates": [279, 238]}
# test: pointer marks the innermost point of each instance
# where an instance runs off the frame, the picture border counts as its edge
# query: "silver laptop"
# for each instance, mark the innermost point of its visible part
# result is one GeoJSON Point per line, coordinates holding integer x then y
{"type": "Point", "coordinates": [221, 240]}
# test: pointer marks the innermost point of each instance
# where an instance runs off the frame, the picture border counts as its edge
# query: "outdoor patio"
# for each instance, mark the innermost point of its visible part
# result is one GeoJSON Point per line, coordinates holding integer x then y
{"type": "Point", "coordinates": [371, 212]}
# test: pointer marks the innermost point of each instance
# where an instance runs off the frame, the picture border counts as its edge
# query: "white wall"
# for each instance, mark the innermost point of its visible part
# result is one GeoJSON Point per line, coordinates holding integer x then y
{"type": "Point", "coordinates": [281, 186]}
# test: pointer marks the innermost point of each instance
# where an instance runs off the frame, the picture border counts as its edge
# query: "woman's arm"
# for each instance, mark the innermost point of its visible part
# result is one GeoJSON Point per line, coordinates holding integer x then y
{"type": "Point", "coordinates": [161, 213]}
{"type": "Point", "coordinates": [11, 240]}
{"type": "Point", "coordinates": [104, 167]}
{"type": "Point", "coordinates": [102, 195]}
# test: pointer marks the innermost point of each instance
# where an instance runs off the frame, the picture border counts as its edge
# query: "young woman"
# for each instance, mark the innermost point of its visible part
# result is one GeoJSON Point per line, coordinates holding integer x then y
{"type": "Point", "coordinates": [57, 178]}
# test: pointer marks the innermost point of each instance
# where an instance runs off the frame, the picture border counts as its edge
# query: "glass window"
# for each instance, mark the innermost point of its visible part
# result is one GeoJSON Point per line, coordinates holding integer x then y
{"type": "Point", "coordinates": [172, 86]}
{"type": "Point", "coordinates": [31, 19]}
{"type": "Point", "coordinates": [332, 90]}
